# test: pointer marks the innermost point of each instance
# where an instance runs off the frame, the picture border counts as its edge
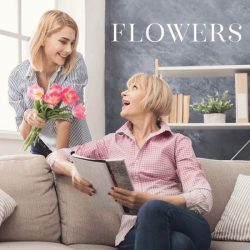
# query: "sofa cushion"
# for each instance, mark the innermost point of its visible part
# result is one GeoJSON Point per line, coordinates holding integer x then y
{"type": "Point", "coordinates": [91, 247]}
{"type": "Point", "coordinates": [28, 179]}
{"type": "Point", "coordinates": [229, 245]}
{"type": "Point", "coordinates": [35, 245]}
{"type": "Point", "coordinates": [235, 220]}
{"type": "Point", "coordinates": [7, 206]}
{"type": "Point", "coordinates": [222, 175]}
{"type": "Point", "coordinates": [81, 222]}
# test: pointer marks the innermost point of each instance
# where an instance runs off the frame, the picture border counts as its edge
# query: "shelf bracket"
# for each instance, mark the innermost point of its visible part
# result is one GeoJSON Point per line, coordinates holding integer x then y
{"type": "Point", "coordinates": [157, 65]}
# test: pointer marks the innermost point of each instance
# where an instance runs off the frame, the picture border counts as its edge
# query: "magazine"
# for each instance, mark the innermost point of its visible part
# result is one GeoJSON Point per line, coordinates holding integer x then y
{"type": "Point", "coordinates": [103, 175]}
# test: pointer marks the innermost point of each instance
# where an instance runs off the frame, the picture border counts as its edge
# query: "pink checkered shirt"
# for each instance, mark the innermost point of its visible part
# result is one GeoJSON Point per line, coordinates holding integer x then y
{"type": "Point", "coordinates": [165, 165]}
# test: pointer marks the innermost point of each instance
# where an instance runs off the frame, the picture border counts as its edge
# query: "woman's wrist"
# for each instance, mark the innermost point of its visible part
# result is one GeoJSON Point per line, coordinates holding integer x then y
{"type": "Point", "coordinates": [51, 159]}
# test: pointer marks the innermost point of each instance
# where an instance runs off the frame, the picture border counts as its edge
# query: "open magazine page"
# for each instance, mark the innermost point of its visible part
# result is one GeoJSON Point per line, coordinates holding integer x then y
{"type": "Point", "coordinates": [103, 176]}
{"type": "Point", "coordinates": [118, 169]}
{"type": "Point", "coordinates": [119, 174]}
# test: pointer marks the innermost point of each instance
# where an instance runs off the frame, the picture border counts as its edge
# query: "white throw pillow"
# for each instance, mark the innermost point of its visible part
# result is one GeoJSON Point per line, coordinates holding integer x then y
{"type": "Point", "coordinates": [234, 223]}
{"type": "Point", "coordinates": [7, 206]}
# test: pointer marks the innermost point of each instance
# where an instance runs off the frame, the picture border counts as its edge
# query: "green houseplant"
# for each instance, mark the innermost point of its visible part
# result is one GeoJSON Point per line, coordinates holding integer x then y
{"type": "Point", "coordinates": [214, 107]}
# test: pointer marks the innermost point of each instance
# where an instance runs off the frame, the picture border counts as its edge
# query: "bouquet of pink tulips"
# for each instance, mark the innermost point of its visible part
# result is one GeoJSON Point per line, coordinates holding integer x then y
{"type": "Point", "coordinates": [48, 106]}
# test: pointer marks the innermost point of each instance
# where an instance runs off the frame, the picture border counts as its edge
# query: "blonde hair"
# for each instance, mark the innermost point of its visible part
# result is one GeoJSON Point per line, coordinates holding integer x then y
{"type": "Point", "coordinates": [51, 22]}
{"type": "Point", "coordinates": [158, 98]}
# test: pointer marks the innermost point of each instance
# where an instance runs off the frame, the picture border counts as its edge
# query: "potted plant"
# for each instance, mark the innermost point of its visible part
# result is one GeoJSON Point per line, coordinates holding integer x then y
{"type": "Point", "coordinates": [214, 107]}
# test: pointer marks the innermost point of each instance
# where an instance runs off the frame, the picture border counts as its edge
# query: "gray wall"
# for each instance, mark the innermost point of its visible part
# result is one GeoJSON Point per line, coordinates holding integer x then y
{"type": "Point", "coordinates": [123, 59]}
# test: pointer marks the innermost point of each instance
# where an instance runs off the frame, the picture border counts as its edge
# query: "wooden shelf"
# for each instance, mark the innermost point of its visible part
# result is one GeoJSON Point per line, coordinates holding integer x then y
{"type": "Point", "coordinates": [209, 126]}
{"type": "Point", "coordinates": [203, 71]}
{"type": "Point", "coordinates": [241, 85]}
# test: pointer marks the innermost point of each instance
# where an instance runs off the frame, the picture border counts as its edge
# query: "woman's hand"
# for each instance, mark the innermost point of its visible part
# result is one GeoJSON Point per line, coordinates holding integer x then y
{"type": "Point", "coordinates": [60, 162]}
{"type": "Point", "coordinates": [134, 199]}
{"type": "Point", "coordinates": [130, 199]}
{"type": "Point", "coordinates": [31, 117]}
{"type": "Point", "coordinates": [81, 184]}
{"type": "Point", "coordinates": [62, 133]}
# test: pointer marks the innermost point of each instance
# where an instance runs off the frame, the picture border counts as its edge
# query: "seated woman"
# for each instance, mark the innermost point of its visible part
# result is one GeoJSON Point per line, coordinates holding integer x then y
{"type": "Point", "coordinates": [171, 191]}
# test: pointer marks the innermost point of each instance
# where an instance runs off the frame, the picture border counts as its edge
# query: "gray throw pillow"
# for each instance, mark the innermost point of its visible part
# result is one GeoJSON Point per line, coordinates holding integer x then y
{"type": "Point", "coordinates": [7, 206]}
{"type": "Point", "coordinates": [234, 223]}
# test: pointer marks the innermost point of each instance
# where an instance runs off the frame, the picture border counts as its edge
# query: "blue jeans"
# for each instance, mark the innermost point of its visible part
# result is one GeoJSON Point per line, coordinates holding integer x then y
{"type": "Point", "coordinates": [40, 148]}
{"type": "Point", "coordinates": [163, 226]}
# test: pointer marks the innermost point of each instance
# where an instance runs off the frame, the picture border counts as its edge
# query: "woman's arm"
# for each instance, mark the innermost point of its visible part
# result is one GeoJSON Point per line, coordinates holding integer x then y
{"type": "Point", "coordinates": [196, 189]}
{"type": "Point", "coordinates": [24, 129]}
{"type": "Point", "coordinates": [30, 119]}
{"type": "Point", "coordinates": [25, 118]}
{"type": "Point", "coordinates": [62, 133]}
{"type": "Point", "coordinates": [134, 199]}
{"type": "Point", "coordinates": [67, 168]}
{"type": "Point", "coordinates": [60, 162]}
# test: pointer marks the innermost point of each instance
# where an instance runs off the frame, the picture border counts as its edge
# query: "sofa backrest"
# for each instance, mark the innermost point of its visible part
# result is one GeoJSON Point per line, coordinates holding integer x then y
{"type": "Point", "coordinates": [222, 175]}
{"type": "Point", "coordinates": [81, 222]}
{"type": "Point", "coordinates": [28, 180]}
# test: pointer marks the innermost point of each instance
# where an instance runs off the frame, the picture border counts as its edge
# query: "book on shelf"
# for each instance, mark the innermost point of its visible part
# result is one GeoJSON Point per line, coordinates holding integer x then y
{"type": "Point", "coordinates": [173, 113]}
{"type": "Point", "coordinates": [186, 108]}
{"type": "Point", "coordinates": [179, 107]}
{"type": "Point", "coordinates": [103, 175]}
{"type": "Point", "coordinates": [241, 97]}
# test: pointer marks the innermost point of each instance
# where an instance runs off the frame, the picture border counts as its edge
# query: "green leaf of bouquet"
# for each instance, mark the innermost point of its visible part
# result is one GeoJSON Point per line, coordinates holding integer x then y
{"type": "Point", "coordinates": [37, 105]}
{"type": "Point", "coordinates": [42, 115]}
{"type": "Point", "coordinates": [32, 137]}
{"type": "Point", "coordinates": [53, 113]}
{"type": "Point", "coordinates": [65, 108]}
{"type": "Point", "coordinates": [60, 117]}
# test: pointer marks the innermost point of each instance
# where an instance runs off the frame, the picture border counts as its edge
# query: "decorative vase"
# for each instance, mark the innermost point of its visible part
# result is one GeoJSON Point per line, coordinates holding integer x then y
{"type": "Point", "coordinates": [215, 118]}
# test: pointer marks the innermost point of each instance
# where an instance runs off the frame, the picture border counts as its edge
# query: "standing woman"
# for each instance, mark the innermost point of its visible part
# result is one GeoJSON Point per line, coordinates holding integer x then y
{"type": "Point", "coordinates": [53, 59]}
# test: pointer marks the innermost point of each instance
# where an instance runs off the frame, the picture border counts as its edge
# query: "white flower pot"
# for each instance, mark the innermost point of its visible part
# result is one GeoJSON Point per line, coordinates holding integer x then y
{"type": "Point", "coordinates": [215, 118]}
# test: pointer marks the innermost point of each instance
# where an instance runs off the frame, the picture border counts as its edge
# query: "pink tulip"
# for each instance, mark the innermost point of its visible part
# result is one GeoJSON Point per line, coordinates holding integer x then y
{"type": "Point", "coordinates": [69, 95]}
{"type": "Point", "coordinates": [55, 88]}
{"type": "Point", "coordinates": [53, 95]}
{"type": "Point", "coordinates": [35, 92]}
{"type": "Point", "coordinates": [52, 98]}
{"type": "Point", "coordinates": [78, 111]}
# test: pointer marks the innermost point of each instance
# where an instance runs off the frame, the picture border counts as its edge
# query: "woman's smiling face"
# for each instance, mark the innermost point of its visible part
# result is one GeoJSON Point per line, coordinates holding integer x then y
{"type": "Point", "coordinates": [132, 101]}
{"type": "Point", "coordinates": [59, 45]}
